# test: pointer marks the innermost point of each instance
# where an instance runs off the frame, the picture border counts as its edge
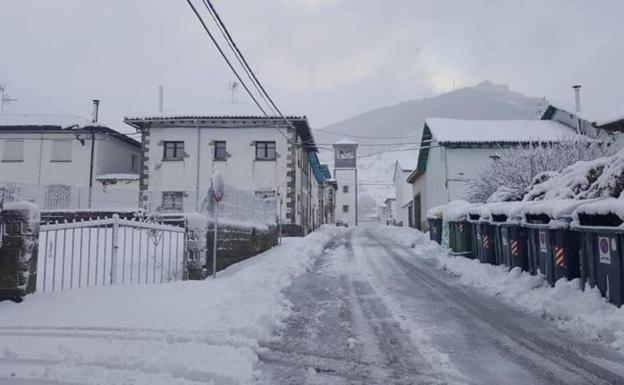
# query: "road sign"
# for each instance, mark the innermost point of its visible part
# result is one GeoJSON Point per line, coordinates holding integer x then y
{"type": "Point", "coordinates": [218, 188]}
{"type": "Point", "coordinates": [604, 247]}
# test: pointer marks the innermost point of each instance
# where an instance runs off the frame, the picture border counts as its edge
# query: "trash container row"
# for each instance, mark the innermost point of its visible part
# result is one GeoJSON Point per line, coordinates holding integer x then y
{"type": "Point", "coordinates": [555, 238]}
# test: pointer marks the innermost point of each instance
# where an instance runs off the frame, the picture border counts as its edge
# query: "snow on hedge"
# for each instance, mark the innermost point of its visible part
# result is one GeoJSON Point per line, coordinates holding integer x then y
{"type": "Point", "coordinates": [205, 329]}
{"type": "Point", "coordinates": [582, 312]}
{"type": "Point", "coordinates": [600, 178]}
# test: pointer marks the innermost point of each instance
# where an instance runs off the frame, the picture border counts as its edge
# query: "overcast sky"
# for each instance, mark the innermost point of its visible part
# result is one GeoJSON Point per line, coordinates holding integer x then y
{"type": "Point", "coordinates": [327, 59]}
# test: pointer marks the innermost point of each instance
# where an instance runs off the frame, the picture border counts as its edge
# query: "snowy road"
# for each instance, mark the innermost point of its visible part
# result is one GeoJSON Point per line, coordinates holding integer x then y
{"type": "Point", "coordinates": [374, 312]}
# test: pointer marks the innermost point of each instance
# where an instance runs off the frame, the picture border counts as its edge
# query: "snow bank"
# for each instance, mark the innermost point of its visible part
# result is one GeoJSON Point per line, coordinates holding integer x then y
{"type": "Point", "coordinates": [231, 314]}
{"type": "Point", "coordinates": [581, 312]}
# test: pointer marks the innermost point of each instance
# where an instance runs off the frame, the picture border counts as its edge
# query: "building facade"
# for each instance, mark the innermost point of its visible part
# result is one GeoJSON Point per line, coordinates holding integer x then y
{"type": "Point", "coordinates": [270, 158]}
{"type": "Point", "coordinates": [346, 175]}
{"type": "Point", "coordinates": [402, 193]}
{"type": "Point", "coordinates": [56, 164]}
{"type": "Point", "coordinates": [458, 149]}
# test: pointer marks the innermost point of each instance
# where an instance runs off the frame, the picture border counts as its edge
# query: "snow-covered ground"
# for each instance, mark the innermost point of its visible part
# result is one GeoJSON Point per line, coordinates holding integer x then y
{"type": "Point", "coordinates": [176, 333]}
{"type": "Point", "coordinates": [582, 312]}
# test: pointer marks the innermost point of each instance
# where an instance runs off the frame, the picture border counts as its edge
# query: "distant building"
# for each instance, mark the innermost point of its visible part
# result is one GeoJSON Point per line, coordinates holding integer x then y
{"type": "Point", "coordinates": [387, 214]}
{"type": "Point", "coordinates": [55, 161]}
{"type": "Point", "coordinates": [586, 123]}
{"type": "Point", "coordinates": [455, 150]}
{"type": "Point", "coordinates": [346, 175]}
{"type": "Point", "coordinates": [403, 192]}
{"type": "Point", "coordinates": [264, 156]}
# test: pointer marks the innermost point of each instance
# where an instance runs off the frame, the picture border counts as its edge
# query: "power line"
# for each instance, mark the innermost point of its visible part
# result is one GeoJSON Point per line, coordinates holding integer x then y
{"type": "Point", "coordinates": [229, 63]}
{"type": "Point", "coordinates": [363, 136]}
{"type": "Point", "coordinates": [242, 59]}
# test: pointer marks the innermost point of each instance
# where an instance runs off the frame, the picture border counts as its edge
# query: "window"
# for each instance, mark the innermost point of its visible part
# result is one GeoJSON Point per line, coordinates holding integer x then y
{"type": "Point", "coordinates": [13, 150]}
{"type": "Point", "coordinates": [265, 151]}
{"type": "Point", "coordinates": [174, 151]}
{"type": "Point", "coordinates": [172, 201]}
{"type": "Point", "coordinates": [345, 208]}
{"type": "Point", "coordinates": [134, 163]}
{"type": "Point", "coordinates": [220, 152]}
{"type": "Point", "coordinates": [61, 150]}
{"type": "Point", "coordinates": [345, 189]}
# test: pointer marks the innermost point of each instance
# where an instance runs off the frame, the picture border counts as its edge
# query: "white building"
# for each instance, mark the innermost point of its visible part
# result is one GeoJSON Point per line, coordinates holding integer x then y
{"type": "Point", "coordinates": [403, 192]}
{"type": "Point", "coordinates": [454, 150]}
{"type": "Point", "coordinates": [265, 157]}
{"type": "Point", "coordinates": [55, 160]}
{"type": "Point", "coordinates": [346, 175]}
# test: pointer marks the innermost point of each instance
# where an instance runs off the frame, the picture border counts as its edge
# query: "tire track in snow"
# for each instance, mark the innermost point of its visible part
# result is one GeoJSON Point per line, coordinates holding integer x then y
{"type": "Point", "coordinates": [551, 356]}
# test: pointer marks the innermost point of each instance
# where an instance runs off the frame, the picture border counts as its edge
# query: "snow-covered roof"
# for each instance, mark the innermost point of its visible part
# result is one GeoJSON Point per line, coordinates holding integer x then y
{"type": "Point", "coordinates": [496, 131]}
{"type": "Point", "coordinates": [409, 164]}
{"type": "Point", "coordinates": [345, 141]}
{"type": "Point", "coordinates": [43, 120]}
{"type": "Point", "coordinates": [594, 116]}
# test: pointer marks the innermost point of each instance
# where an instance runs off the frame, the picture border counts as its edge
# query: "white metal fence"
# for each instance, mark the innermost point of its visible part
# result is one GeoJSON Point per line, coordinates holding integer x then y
{"type": "Point", "coordinates": [108, 252]}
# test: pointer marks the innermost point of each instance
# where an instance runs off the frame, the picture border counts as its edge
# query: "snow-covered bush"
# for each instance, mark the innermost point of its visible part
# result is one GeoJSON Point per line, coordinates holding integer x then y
{"type": "Point", "coordinates": [600, 178]}
{"type": "Point", "coordinates": [511, 172]}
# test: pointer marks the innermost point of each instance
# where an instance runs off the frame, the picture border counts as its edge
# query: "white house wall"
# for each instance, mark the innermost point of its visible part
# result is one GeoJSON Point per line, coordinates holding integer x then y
{"type": "Point", "coordinates": [37, 167]}
{"type": "Point", "coordinates": [403, 195]}
{"type": "Point", "coordinates": [115, 156]}
{"type": "Point", "coordinates": [241, 169]}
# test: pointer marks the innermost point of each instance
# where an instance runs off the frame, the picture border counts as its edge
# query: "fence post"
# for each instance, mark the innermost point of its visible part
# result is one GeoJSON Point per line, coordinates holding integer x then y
{"type": "Point", "coordinates": [115, 249]}
{"type": "Point", "coordinates": [18, 250]}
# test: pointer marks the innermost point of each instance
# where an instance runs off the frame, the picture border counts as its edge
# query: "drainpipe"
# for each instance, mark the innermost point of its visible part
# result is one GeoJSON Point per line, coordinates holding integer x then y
{"type": "Point", "coordinates": [198, 166]}
{"type": "Point", "coordinates": [96, 111]}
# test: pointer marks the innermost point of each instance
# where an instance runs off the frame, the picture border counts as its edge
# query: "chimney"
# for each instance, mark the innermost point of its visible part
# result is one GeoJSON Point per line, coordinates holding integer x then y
{"type": "Point", "coordinates": [577, 97]}
{"type": "Point", "coordinates": [161, 97]}
{"type": "Point", "coordinates": [96, 110]}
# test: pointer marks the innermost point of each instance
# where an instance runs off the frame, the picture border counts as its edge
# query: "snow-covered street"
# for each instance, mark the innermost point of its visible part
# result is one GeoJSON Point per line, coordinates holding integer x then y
{"type": "Point", "coordinates": [359, 306]}
{"type": "Point", "coordinates": [376, 312]}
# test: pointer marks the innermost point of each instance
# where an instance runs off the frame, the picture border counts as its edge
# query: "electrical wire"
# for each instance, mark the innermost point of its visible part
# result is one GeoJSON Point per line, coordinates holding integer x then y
{"type": "Point", "coordinates": [242, 59]}
{"type": "Point", "coordinates": [229, 63]}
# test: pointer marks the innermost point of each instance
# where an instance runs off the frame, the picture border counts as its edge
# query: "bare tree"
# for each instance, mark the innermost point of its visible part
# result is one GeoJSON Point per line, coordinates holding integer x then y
{"type": "Point", "coordinates": [511, 171]}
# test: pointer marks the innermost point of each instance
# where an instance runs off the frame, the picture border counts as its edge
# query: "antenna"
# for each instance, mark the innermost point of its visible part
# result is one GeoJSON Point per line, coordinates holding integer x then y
{"type": "Point", "coordinates": [233, 87]}
{"type": "Point", "coordinates": [5, 99]}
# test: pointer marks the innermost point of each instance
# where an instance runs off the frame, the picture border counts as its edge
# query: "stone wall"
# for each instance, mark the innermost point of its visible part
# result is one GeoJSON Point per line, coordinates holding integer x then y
{"type": "Point", "coordinates": [19, 232]}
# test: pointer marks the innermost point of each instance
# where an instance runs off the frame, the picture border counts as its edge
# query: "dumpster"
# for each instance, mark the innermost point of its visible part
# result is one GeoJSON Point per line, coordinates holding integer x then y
{"type": "Point", "coordinates": [553, 248]}
{"type": "Point", "coordinates": [484, 233]}
{"type": "Point", "coordinates": [460, 230]}
{"type": "Point", "coordinates": [601, 226]}
{"type": "Point", "coordinates": [434, 219]}
{"type": "Point", "coordinates": [511, 238]}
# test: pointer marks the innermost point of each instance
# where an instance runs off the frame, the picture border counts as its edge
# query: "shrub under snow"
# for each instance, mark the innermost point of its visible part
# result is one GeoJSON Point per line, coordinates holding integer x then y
{"type": "Point", "coordinates": [508, 176]}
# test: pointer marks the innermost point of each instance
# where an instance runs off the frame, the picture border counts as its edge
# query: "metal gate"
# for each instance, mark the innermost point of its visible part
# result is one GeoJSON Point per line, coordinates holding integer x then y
{"type": "Point", "coordinates": [108, 252]}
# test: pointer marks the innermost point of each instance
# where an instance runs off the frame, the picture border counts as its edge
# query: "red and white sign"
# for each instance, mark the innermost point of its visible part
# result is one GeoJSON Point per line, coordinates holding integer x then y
{"type": "Point", "coordinates": [218, 188]}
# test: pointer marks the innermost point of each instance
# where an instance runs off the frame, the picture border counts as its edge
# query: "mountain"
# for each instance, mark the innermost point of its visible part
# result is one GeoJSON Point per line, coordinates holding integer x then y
{"type": "Point", "coordinates": [399, 127]}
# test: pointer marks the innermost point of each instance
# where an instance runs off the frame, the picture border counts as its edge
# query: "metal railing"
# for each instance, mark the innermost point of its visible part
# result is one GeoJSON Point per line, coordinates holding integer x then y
{"type": "Point", "coordinates": [109, 252]}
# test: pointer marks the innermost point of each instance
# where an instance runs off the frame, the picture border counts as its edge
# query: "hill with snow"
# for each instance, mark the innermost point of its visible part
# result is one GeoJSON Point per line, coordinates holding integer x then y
{"type": "Point", "coordinates": [383, 131]}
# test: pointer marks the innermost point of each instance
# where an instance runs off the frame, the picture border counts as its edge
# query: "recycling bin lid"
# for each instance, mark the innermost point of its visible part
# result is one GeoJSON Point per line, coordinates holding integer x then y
{"type": "Point", "coordinates": [481, 213]}
{"type": "Point", "coordinates": [508, 212]}
{"type": "Point", "coordinates": [458, 213]}
{"type": "Point", "coordinates": [600, 214]}
{"type": "Point", "coordinates": [551, 213]}
{"type": "Point", "coordinates": [438, 211]}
